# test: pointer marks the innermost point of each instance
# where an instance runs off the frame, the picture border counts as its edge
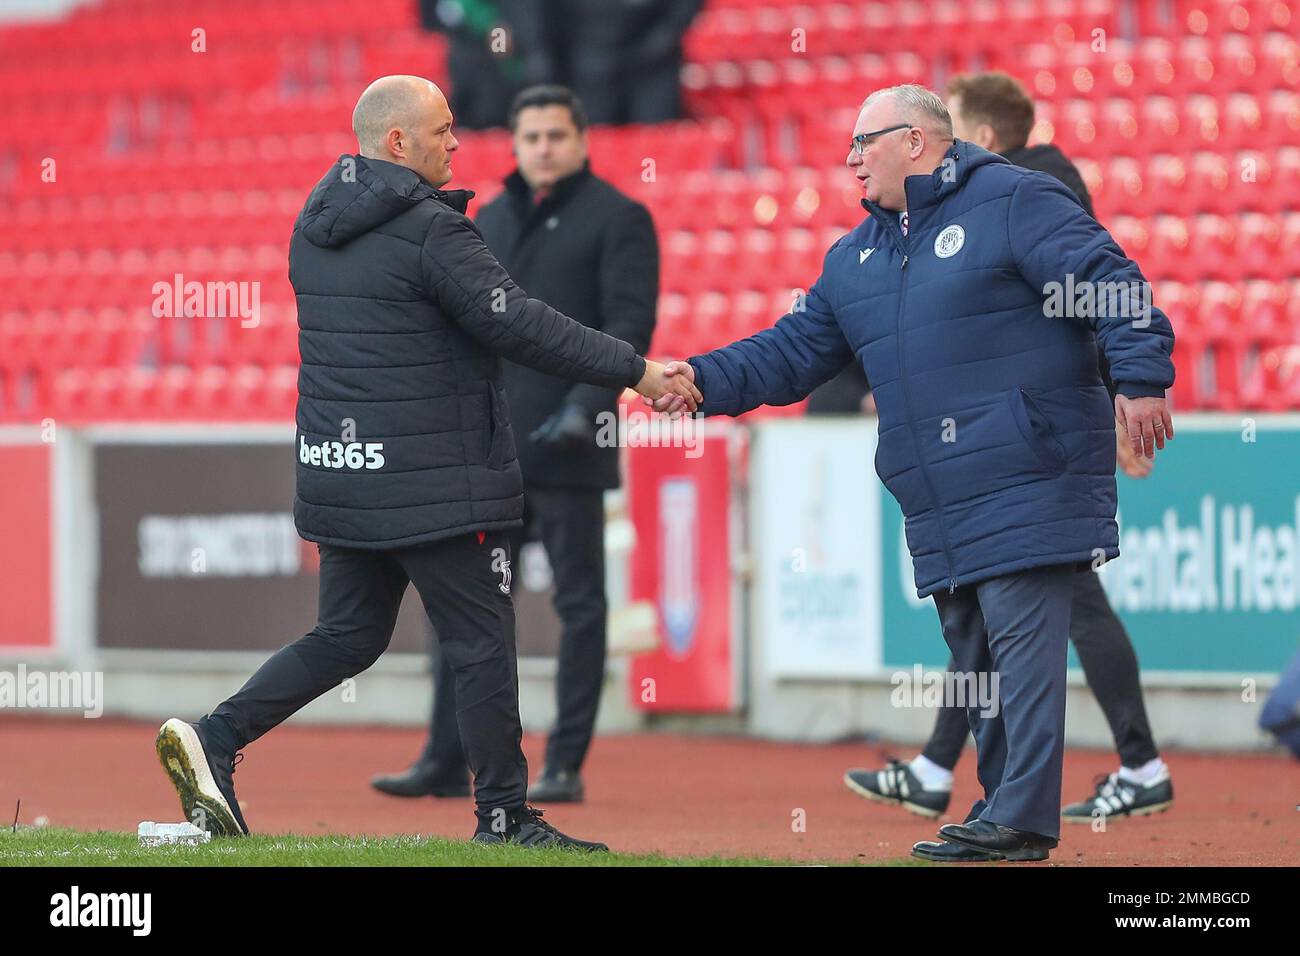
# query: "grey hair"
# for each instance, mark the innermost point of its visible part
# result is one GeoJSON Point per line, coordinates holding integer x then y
{"type": "Point", "coordinates": [918, 106]}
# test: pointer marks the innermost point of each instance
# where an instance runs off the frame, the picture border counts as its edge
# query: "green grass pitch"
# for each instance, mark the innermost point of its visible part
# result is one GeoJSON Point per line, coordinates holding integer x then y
{"type": "Point", "coordinates": [52, 846]}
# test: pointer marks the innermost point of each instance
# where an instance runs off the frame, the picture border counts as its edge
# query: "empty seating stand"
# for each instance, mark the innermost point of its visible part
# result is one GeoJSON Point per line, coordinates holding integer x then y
{"type": "Point", "coordinates": [155, 142]}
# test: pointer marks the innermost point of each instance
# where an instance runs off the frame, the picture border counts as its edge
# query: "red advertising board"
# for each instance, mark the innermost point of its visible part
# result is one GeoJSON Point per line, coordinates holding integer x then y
{"type": "Point", "coordinates": [25, 579]}
{"type": "Point", "coordinates": [680, 501]}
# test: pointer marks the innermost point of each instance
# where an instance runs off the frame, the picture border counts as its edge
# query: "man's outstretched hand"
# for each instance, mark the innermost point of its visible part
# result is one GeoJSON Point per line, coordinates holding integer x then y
{"type": "Point", "coordinates": [670, 388]}
{"type": "Point", "coordinates": [1147, 422]}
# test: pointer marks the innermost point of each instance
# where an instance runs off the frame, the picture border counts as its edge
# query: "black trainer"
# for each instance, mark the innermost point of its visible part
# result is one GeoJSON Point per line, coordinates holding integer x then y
{"type": "Point", "coordinates": [421, 780]}
{"type": "Point", "coordinates": [1116, 797]}
{"type": "Point", "coordinates": [203, 776]}
{"type": "Point", "coordinates": [557, 786]}
{"type": "Point", "coordinates": [527, 828]}
{"type": "Point", "coordinates": [897, 784]}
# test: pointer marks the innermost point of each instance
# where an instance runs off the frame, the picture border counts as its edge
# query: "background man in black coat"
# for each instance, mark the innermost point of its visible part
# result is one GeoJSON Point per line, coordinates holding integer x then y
{"type": "Point", "coordinates": [575, 242]}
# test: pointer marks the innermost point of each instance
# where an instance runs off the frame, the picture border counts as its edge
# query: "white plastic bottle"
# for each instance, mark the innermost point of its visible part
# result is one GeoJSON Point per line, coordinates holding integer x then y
{"type": "Point", "coordinates": [158, 834]}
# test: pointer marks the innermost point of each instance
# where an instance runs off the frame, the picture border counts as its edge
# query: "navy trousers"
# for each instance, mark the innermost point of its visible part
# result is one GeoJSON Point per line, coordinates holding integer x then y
{"type": "Point", "coordinates": [1110, 666]}
{"type": "Point", "coordinates": [1017, 627]}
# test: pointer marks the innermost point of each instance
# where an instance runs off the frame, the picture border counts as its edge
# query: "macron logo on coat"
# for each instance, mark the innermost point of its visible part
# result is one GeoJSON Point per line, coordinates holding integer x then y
{"type": "Point", "coordinates": [864, 255]}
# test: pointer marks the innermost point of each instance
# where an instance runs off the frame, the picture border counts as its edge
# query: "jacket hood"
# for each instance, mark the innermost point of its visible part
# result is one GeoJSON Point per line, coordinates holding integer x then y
{"type": "Point", "coordinates": [959, 161]}
{"type": "Point", "coordinates": [359, 194]}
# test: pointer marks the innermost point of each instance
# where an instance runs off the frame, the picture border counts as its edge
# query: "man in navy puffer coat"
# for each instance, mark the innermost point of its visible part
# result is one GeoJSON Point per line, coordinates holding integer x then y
{"type": "Point", "coordinates": [976, 296]}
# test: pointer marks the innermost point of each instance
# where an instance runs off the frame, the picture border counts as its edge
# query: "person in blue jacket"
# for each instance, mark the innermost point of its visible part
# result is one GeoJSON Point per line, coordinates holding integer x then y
{"type": "Point", "coordinates": [976, 297]}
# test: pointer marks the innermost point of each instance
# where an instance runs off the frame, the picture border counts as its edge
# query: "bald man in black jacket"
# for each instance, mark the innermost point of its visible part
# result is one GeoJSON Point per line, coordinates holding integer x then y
{"type": "Point", "coordinates": [406, 465]}
{"type": "Point", "coordinates": [576, 242]}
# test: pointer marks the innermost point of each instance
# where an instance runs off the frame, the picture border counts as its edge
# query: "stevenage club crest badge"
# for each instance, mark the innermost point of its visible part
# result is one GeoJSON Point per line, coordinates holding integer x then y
{"type": "Point", "coordinates": [949, 242]}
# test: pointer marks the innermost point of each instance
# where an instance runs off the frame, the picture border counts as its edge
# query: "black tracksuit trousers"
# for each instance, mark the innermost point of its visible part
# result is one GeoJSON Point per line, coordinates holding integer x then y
{"type": "Point", "coordinates": [464, 585]}
{"type": "Point", "coordinates": [570, 523]}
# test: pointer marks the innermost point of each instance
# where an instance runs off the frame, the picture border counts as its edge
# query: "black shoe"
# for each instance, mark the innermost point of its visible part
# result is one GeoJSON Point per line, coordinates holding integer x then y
{"type": "Point", "coordinates": [557, 786]}
{"type": "Point", "coordinates": [203, 777]}
{"type": "Point", "coordinates": [527, 828]}
{"type": "Point", "coordinates": [897, 784]}
{"type": "Point", "coordinates": [421, 780]}
{"type": "Point", "coordinates": [1011, 844]}
{"type": "Point", "coordinates": [945, 852]}
{"type": "Point", "coordinates": [1116, 797]}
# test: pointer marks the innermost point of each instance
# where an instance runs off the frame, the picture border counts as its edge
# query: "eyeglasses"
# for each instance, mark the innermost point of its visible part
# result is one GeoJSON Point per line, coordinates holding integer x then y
{"type": "Point", "coordinates": [863, 140]}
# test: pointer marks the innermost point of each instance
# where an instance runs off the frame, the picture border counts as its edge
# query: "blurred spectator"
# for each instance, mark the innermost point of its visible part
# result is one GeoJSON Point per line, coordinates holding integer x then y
{"type": "Point", "coordinates": [624, 57]}
{"type": "Point", "coordinates": [495, 49]}
{"type": "Point", "coordinates": [848, 393]}
{"type": "Point", "coordinates": [995, 112]}
{"type": "Point", "coordinates": [1281, 713]}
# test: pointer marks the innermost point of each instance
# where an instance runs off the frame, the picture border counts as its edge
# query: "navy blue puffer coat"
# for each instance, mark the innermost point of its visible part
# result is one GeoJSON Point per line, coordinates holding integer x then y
{"type": "Point", "coordinates": [996, 433]}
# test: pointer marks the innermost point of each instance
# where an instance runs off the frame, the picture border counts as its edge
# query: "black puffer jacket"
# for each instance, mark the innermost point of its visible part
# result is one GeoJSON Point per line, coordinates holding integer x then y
{"type": "Point", "coordinates": [1047, 158]}
{"type": "Point", "coordinates": [403, 428]}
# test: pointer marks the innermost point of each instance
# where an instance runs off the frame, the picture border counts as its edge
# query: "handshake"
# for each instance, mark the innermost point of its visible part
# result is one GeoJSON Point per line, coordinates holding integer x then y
{"type": "Point", "coordinates": [665, 388]}
{"type": "Point", "coordinates": [670, 388]}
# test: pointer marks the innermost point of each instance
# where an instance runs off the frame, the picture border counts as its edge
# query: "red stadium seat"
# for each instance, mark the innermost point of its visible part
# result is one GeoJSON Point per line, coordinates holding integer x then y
{"type": "Point", "coordinates": [1213, 242]}
{"type": "Point", "coordinates": [1184, 124]}
{"type": "Point", "coordinates": [1257, 253]}
{"type": "Point", "coordinates": [1210, 181]}
{"type": "Point", "coordinates": [1168, 257]}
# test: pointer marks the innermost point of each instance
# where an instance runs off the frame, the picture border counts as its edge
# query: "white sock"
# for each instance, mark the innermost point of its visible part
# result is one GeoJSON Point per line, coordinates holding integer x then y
{"type": "Point", "coordinates": [931, 775]}
{"type": "Point", "coordinates": [1144, 774]}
